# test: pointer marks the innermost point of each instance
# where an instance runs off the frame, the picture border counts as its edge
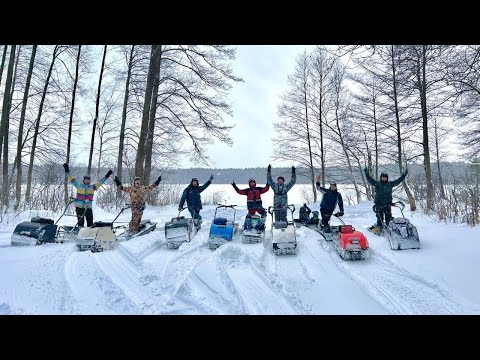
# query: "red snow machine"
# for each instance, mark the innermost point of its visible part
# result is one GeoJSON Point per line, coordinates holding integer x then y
{"type": "Point", "coordinates": [349, 243]}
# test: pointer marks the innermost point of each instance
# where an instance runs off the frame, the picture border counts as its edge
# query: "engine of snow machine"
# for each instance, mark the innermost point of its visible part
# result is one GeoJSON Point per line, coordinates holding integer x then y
{"type": "Point", "coordinates": [350, 239]}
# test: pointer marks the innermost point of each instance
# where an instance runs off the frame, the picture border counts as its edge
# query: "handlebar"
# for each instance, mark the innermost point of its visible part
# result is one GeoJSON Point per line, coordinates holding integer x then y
{"type": "Point", "coordinates": [291, 207]}
{"type": "Point", "coordinates": [225, 206]}
{"type": "Point", "coordinates": [399, 204]}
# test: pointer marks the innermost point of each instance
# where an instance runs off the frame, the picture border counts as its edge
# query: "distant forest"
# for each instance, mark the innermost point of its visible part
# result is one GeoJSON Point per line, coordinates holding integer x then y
{"type": "Point", "coordinates": [333, 174]}
{"type": "Point", "coordinates": [241, 176]}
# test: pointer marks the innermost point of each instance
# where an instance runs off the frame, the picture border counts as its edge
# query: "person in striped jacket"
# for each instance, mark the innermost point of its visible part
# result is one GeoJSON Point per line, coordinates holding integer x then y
{"type": "Point", "coordinates": [84, 197]}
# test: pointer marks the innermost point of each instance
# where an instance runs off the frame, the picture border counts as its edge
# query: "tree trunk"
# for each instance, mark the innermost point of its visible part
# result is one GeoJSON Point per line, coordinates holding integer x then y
{"type": "Point", "coordinates": [421, 78]}
{"type": "Point", "coordinates": [437, 150]}
{"type": "Point", "coordinates": [345, 150]}
{"type": "Point", "coordinates": [96, 110]}
{"type": "Point", "coordinates": [70, 123]}
{"type": "Point", "coordinates": [139, 161]}
{"type": "Point", "coordinates": [37, 126]}
{"type": "Point", "coordinates": [153, 112]}
{"type": "Point", "coordinates": [312, 174]}
{"type": "Point", "coordinates": [7, 102]}
{"type": "Point", "coordinates": [4, 55]}
{"type": "Point", "coordinates": [411, 199]}
{"type": "Point", "coordinates": [18, 160]}
{"type": "Point", "coordinates": [124, 119]}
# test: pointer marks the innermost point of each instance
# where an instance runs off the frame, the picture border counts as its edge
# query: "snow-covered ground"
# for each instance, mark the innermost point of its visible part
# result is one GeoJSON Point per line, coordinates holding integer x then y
{"type": "Point", "coordinates": [142, 276]}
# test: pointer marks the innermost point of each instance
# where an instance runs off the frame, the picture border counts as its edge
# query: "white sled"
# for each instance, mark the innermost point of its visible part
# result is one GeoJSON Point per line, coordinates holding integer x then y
{"type": "Point", "coordinates": [96, 238]}
{"type": "Point", "coordinates": [401, 233]}
{"type": "Point", "coordinates": [180, 230]}
{"type": "Point", "coordinates": [284, 239]}
{"type": "Point", "coordinates": [253, 236]}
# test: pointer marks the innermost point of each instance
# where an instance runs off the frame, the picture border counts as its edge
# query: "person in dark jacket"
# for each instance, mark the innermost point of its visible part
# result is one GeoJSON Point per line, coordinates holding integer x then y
{"type": "Point", "coordinates": [254, 202]}
{"type": "Point", "coordinates": [304, 216]}
{"type": "Point", "coordinates": [331, 197]}
{"type": "Point", "coordinates": [280, 190]}
{"type": "Point", "coordinates": [191, 195]}
{"type": "Point", "coordinates": [383, 196]}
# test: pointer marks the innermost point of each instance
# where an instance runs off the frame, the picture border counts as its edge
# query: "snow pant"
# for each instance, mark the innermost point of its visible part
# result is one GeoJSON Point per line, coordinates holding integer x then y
{"type": "Point", "coordinates": [261, 224]}
{"type": "Point", "coordinates": [197, 218]}
{"type": "Point", "coordinates": [325, 217]}
{"type": "Point", "coordinates": [280, 215]}
{"type": "Point", "coordinates": [383, 212]}
{"type": "Point", "coordinates": [134, 224]}
{"type": "Point", "coordinates": [81, 217]}
{"type": "Point", "coordinates": [261, 211]}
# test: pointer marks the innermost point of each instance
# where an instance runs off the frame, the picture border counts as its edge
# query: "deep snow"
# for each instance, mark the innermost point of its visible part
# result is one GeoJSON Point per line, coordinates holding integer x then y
{"type": "Point", "coordinates": [142, 276]}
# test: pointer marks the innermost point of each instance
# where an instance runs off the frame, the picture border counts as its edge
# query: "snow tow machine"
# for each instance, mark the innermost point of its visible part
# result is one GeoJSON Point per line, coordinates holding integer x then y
{"type": "Point", "coordinates": [180, 230]}
{"type": "Point", "coordinates": [104, 235]}
{"type": "Point", "coordinates": [222, 228]}
{"type": "Point", "coordinates": [39, 230]}
{"type": "Point", "coordinates": [401, 233]}
{"type": "Point", "coordinates": [253, 229]}
{"type": "Point", "coordinates": [349, 243]}
{"type": "Point", "coordinates": [283, 235]}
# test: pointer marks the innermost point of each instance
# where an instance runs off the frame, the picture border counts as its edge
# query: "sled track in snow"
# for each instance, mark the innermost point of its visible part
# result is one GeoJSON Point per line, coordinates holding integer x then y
{"type": "Point", "coordinates": [399, 290]}
{"type": "Point", "coordinates": [128, 276]}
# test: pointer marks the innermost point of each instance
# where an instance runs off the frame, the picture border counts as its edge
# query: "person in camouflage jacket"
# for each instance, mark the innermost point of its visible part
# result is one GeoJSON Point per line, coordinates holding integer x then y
{"type": "Point", "coordinates": [280, 189]}
{"type": "Point", "coordinates": [137, 194]}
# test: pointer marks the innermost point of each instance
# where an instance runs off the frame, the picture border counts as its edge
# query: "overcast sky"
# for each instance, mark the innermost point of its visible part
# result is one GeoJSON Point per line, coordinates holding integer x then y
{"type": "Point", "coordinates": [264, 69]}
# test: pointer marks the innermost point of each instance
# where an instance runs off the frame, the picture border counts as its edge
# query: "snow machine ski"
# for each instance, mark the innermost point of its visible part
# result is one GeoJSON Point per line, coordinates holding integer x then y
{"type": "Point", "coordinates": [283, 235]}
{"type": "Point", "coordinates": [253, 229]}
{"type": "Point", "coordinates": [180, 230]}
{"type": "Point", "coordinates": [401, 233]}
{"type": "Point", "coordinates": [349, 243]}
{"type": "Point", "coordinates": [222, 228]}
{"type": "Point", "coordinates": [39, 230]}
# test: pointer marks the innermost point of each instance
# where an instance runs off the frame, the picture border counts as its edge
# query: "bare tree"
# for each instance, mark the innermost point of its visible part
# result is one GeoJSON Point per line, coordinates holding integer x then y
{"type": "Point", "coordinates": [18, 185]}
{"type": "Point", "coordinates": [293, 140]}
{"type": "Point", "coordinates": [130, 63]}
{"type": "Point", "coordinates": [153, 111]}
{"type": "Point", "coordinates": [70, 122]}
{"type": "Point", "coordinates": [341, 116]}
{"type": "Point", "coordinates": [7, 102]}
{"type": "Point", "coordinates": [96, 109]}
{"type": "Point", "coordinates": [321, 65]}
{"type": "Point", "coordinates": [55, 54]}
{"type": "Point", "coordinates": [139, 162]}
{"type": "Point", "coordinates": [2, 64]}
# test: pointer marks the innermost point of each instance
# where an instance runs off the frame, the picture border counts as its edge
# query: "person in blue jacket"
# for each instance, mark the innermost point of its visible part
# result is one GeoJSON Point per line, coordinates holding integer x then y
{"type": "Point", "coordinates": [331, 197]}
{"type": "Point", "coordinates": [191, 195]}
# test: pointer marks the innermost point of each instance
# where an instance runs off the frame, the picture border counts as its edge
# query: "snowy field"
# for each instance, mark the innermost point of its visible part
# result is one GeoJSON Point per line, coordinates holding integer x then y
{"type": "Point", "coordinates": [142, 276]}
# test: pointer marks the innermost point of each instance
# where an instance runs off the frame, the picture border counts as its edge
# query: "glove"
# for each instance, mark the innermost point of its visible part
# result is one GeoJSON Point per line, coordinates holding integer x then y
{"type": "Point", "coordinates": [211, 177]}
{"type": "Point", "coordinates": [269, 169]}
{"type": "Point", "coordinates": [158, 181]}
{"type": "Point", "coordinates": [110, 172]}
{"type": "Point", "coordinates": [117, 182]}
{"type": "Point", "coordinates": [234, 185]}
{"type": "Point", "coordinates": [179, 208]}
{"type": "Point", "coordinates": [340, 213]}
{"type": "Point", "coordinates": [65, 166]}
{"type": "Point", "coordinates": [293, 169]}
